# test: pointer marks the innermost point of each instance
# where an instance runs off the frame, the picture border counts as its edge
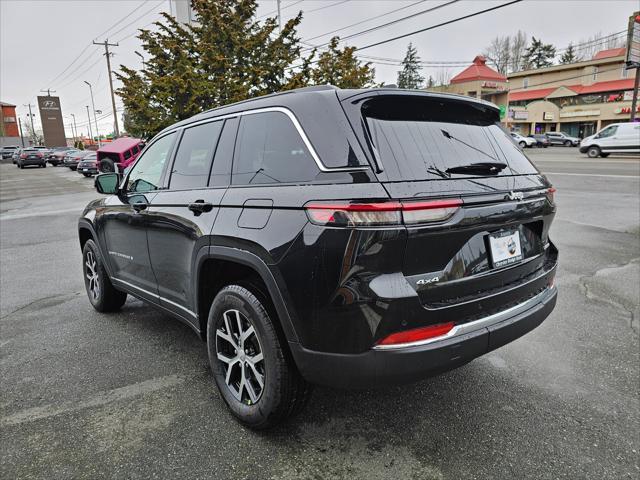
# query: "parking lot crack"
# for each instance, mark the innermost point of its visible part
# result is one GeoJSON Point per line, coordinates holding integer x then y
{"type": "Point", "coordinates": [617, 287]}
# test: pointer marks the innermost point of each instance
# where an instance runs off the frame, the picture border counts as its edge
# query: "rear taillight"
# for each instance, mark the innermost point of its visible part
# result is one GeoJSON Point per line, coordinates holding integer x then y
{"type": "Point", "coordinates": [417, 334]}
{"type": "Point", "coordinates": [40, 155]}
{"type": "Point", "coordinates": [550, 194]}
{"type": "Point", "coordinates": [23, 155]}
{"type": "Point", "coordinates": [380, 214]}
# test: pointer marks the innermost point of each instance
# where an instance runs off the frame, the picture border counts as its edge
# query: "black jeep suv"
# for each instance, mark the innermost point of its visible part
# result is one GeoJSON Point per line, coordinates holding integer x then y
{"type": "Point", "coordinates": [349, 238]}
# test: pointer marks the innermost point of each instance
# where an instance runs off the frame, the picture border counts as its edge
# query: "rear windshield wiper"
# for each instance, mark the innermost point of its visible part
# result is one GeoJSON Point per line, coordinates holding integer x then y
{"type": "Point", "coordinates": [482, 168]}
{"type": "Point", "coordinates": [451, 137]}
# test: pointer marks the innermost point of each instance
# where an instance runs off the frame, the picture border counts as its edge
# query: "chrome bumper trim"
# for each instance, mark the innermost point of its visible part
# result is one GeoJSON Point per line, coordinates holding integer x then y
{"type": "Point", "coordinates": [475, 325]}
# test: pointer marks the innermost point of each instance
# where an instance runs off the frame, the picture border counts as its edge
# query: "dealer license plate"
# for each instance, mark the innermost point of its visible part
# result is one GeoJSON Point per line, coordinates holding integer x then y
{"type": "Point", "coordinates": [505, 248]}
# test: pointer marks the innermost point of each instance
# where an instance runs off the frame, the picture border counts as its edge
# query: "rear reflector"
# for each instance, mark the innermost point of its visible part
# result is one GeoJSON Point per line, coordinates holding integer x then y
{"type": "Point", "coordinates": [550, 194]}
{"type": "Point", "coordinates": [417, 334]}
{"type": "Point", "coordinates": [384, 213]}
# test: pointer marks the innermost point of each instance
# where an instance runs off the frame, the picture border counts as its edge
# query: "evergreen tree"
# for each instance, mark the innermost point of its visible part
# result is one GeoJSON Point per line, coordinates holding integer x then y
{"type": "Point", "coordinates": [342, 68]}
{"type": "Point", "coordinates": [569, 55]}
{"type": "Point", "coordinates": [226, 56]}
{"type": "Point", "coordinates": [409, 76]}
{"type": "Point", "coordinates": [539, 54]}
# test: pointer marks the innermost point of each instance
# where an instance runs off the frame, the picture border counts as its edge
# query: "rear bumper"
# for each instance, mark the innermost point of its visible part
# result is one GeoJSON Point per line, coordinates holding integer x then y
{"type": "Point", "coordinates": [380, 367]}
{"type": "Point", "coordinates": [32, 161]}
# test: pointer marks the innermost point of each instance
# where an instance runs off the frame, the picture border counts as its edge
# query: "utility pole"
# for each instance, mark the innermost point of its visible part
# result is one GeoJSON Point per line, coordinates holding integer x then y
{"type": "Point", "coordinates": [74, 124]}
{"type": "Point", "coordinates": [33, 129]}
{"type": "Point", "coordinates": [634, 100]}
{"type": "Point", "coordinates": [113, 98]}
{"type": "Point", "coordinates": [94, 113]}
{"type": "Point", "coordinates": [20, 127]}
{"type": "Point", "coordinates": [279, 18]}
{"type": "Point", "coordinates": [48, 91]}
{"type": "Point", "coordinates": [89, 117]}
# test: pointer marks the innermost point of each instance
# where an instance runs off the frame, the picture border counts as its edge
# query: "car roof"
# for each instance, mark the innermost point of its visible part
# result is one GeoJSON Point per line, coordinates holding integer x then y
{"type": "Point", "coordinates": [286, 98]}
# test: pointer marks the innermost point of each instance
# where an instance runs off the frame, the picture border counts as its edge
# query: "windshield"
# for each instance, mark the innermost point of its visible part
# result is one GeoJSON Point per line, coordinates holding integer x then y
{"type": "Point", "coordinates": [419, 138]}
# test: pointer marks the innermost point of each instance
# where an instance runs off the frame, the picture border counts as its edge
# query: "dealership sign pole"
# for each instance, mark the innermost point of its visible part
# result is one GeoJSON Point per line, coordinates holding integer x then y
{"type": "Point", "coordinates": [633, 57]}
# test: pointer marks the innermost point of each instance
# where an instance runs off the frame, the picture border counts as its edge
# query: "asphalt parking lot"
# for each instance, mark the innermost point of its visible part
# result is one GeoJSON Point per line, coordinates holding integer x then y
{"type": "Point", "coordinates": [130, 395]}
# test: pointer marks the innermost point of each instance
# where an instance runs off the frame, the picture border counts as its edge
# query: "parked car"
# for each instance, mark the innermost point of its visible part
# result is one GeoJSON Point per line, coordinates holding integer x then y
{"type": "Point", "coordinates": [16, 155]}
{"type": "Point", "coordinates": [328, 236]}
{"type": "Point", "coordinates": [31, 156]}
{"type": "Point", "coordinates": [560, 138]}
{"type": "Point", "coordinates": [615, 138]}
{"type": "Point", "coordinates": [72, 158]}
{"type": "Point", "coordinates": [88, 166]}
{"type": "Point", "coordinates": [119, 154]}
{"type": "Point", "coordinates": [8, 150]}
{"type": "Point", "coordinates": [56, 155]}
{"type": "Point", "coordinates": [542, 141]}
{"type": "Point", "coordinates": [522, 141]}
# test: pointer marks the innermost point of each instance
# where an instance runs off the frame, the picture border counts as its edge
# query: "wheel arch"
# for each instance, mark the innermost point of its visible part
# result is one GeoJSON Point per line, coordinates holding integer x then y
{"type": "Point", "coordinates": [245, 266]}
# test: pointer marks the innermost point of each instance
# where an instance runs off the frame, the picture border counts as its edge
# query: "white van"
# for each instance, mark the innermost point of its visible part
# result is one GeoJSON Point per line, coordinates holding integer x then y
{"type": "Point", "coordinates": [614, 138]}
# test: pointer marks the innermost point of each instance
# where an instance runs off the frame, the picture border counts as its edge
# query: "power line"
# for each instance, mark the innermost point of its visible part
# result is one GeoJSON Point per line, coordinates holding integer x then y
{"type": "Point", "coordinates": [393, 22]}
{"type": "Point", "coordinates": [365, 21]}
{"type": "Point", "coordinates": [137, 18]}
{"type": "Point", "coordinates": [276, 11]}
{"type": "Point", "coordinates": [123, 19]}
{"type": "Point", "coordinates": [432, 27]}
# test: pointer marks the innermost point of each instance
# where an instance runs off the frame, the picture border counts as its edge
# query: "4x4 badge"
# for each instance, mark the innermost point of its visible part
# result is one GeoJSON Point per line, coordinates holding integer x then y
{"type": "Point", "coordinates": [514, 196]}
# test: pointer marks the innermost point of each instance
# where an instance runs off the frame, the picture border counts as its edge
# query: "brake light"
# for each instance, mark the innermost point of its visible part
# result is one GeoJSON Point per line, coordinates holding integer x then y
{"type": "Point", "coordinates": [550, 194]}
{"type": "Point", "coordinates": [39, 154]}
{"type": "Point", "coordinates": [23, 155]}
{"type": "Point", "coordinates": [417, 334]}
{"type": "Point", "coordinates": [383, 213]}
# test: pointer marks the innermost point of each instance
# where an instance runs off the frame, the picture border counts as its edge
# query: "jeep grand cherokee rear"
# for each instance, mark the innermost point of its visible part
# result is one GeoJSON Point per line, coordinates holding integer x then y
{"type": "Point", "coordinates": [350, 238]}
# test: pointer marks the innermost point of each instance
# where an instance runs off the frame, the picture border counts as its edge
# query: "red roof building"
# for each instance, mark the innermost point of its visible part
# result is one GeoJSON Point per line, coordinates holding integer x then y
{"type": "Point", "coordinates": [612, 52]}
{"type": "Point", "coordinates": [478, 70]}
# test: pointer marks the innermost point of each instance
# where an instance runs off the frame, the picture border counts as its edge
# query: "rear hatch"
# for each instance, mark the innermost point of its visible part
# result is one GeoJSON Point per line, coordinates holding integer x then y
{"type": "Point", "coordinates": [492, 250]}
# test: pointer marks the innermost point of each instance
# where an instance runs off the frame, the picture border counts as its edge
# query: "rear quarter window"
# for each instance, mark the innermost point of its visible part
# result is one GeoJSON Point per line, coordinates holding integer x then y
{"type": "Point", "coordinates": [420, 138]}
{"type": "Point", "coordinates": [269, 150]}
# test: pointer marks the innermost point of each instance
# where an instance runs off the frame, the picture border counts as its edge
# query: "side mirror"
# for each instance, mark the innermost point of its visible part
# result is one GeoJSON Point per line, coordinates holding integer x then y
{"type": "Point", "coordinates": [107, 183]}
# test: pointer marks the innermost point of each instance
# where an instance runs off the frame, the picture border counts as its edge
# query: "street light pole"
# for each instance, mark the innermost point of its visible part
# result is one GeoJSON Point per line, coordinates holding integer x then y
{"type": "Point", "coordinates": [94, 113]}
{"type": "Point", "coordinates": [33, 129]}
{"type": "Point", "coordinates": [144, 64]}
{"type": "Point", "coordinates": [89, 117]}
{"type": "Point", "coordinates": [279, 18]}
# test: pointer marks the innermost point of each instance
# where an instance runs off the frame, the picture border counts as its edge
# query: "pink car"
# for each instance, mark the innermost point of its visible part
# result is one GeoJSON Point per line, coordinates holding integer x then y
{"type": "Point", "coordinates": [121, 152]}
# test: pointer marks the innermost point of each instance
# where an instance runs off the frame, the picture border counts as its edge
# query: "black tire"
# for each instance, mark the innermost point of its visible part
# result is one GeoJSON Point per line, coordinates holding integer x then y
{"type": "Point", "coordinates": [104, 298]}
{"type": "Point", "coordinates": [522, 145]}
{"type": "Point", "coordinates": [593, 152]}
{"type": "Point", "coordinates": [284, 392]}
{"type": "Point", "coordinates": [604, 155]}
{"type": "Point", "coordinates": [73, 169]}
{"type": "Point", "coordinates": [86, 174]}
{"type": "Point", "coordinates": [107, 166]}
{"type": "Point", "coordinates": [568, 143]}
{"type": "Point", "coordinates": [44, 165]}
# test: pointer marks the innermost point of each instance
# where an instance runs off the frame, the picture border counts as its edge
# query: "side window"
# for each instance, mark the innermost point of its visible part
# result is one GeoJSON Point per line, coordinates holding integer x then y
{"type": "Point", "coordinates": [147, 172]}
{"type": "Point", "coordinates": [193, 160]}
{"type": "Point", "coordinates": [135, 149]}
{"type": "Point", "coordinates": [608, 132]}
{"type": "Point", "coordinates": [127, 154]}
{"type": "Point", "coordinates": [269, 149]}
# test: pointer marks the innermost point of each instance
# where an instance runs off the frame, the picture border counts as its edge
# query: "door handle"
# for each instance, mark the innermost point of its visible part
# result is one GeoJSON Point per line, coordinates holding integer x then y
{"type": "Point", "coordinates": [138, 207]}
{"type": "Point", "coordinates": [200, 206]}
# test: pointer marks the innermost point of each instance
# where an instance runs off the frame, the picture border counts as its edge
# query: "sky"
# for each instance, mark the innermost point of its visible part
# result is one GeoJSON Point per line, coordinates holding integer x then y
{"type": "Point", "coordinates": [40, 39]}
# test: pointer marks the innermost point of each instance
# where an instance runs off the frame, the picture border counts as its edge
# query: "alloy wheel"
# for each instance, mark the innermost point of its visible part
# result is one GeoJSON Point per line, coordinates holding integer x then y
{"type": "Point", "coordinates": [239, 350]}
{"type": "Point", "coordinates": [91, 271]}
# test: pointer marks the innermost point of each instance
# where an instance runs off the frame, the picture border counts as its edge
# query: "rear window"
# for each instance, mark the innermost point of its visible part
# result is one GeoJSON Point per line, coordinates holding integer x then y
{"type": "Point", "coordinates": [420, 138]}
